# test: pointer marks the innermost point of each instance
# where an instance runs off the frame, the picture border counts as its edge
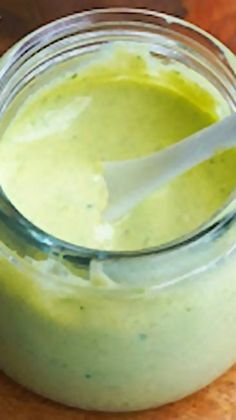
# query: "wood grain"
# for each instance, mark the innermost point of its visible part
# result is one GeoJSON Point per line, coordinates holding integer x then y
{"type": "Point", "coordinates": [215, 16]}
{"type": "Point", "coordinates": [17, 17]}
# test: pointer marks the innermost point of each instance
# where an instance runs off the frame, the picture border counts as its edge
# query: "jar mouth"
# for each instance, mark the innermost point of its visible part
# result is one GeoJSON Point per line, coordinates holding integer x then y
{"type": "Point", "coordinates": [84, 22]}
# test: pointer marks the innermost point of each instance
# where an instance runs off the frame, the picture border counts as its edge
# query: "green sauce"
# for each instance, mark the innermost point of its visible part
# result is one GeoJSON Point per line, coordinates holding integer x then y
{"type": "Point", "coordinates": [131, 333]}
{"type": "Point", "coordinates": [115, 108]}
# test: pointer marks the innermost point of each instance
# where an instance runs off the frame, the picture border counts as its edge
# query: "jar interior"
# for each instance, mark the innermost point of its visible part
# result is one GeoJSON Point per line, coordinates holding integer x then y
{"type": "Point", "coordinates": [40, 65]}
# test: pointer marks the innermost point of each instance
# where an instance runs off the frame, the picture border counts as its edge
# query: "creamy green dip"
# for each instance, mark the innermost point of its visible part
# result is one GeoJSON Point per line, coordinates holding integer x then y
{"type": "Point", "coordinates": [118, 334]}
{"type": "Point", "coordinates": [118, 107]}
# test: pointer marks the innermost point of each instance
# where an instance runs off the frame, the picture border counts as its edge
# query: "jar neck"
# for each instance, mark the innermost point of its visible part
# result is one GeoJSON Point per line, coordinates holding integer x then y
{"type": "Point", "coordinates": [167, 38]}
{"type": "Point", "coordinates": [158, 271]}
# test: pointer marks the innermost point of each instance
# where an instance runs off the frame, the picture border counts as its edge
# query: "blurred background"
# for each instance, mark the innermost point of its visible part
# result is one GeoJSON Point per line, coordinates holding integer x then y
{"type": "Point", "coordinates": [18, 17]}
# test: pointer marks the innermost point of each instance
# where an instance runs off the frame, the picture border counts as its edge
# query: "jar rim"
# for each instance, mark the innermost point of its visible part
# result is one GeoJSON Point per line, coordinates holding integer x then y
{"type": "Point", "coordinates": [48, 242]}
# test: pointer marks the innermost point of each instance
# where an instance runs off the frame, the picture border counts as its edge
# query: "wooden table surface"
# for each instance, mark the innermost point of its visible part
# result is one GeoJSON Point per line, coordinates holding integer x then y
{"type": "Point", "coordinates": [17, 17]}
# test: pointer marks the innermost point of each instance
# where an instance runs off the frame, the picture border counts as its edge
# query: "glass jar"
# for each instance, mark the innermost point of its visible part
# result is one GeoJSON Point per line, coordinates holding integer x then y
{"type": "Point", "coordinates": [106, 330]}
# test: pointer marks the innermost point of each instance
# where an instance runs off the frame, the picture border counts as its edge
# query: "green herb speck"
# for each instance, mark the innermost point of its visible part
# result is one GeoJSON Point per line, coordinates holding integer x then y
{"type": "Point", "coordinates": [143, 336]}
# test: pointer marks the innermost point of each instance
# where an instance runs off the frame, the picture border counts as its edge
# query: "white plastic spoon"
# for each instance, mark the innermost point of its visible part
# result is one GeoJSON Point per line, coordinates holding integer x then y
{"type": "Point", "coordinates": [130, 181]}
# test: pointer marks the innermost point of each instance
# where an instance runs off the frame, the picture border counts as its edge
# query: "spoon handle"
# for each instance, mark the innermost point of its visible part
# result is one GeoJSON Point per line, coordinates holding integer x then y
{"type": "Point", "coordinates": [130, 181]}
